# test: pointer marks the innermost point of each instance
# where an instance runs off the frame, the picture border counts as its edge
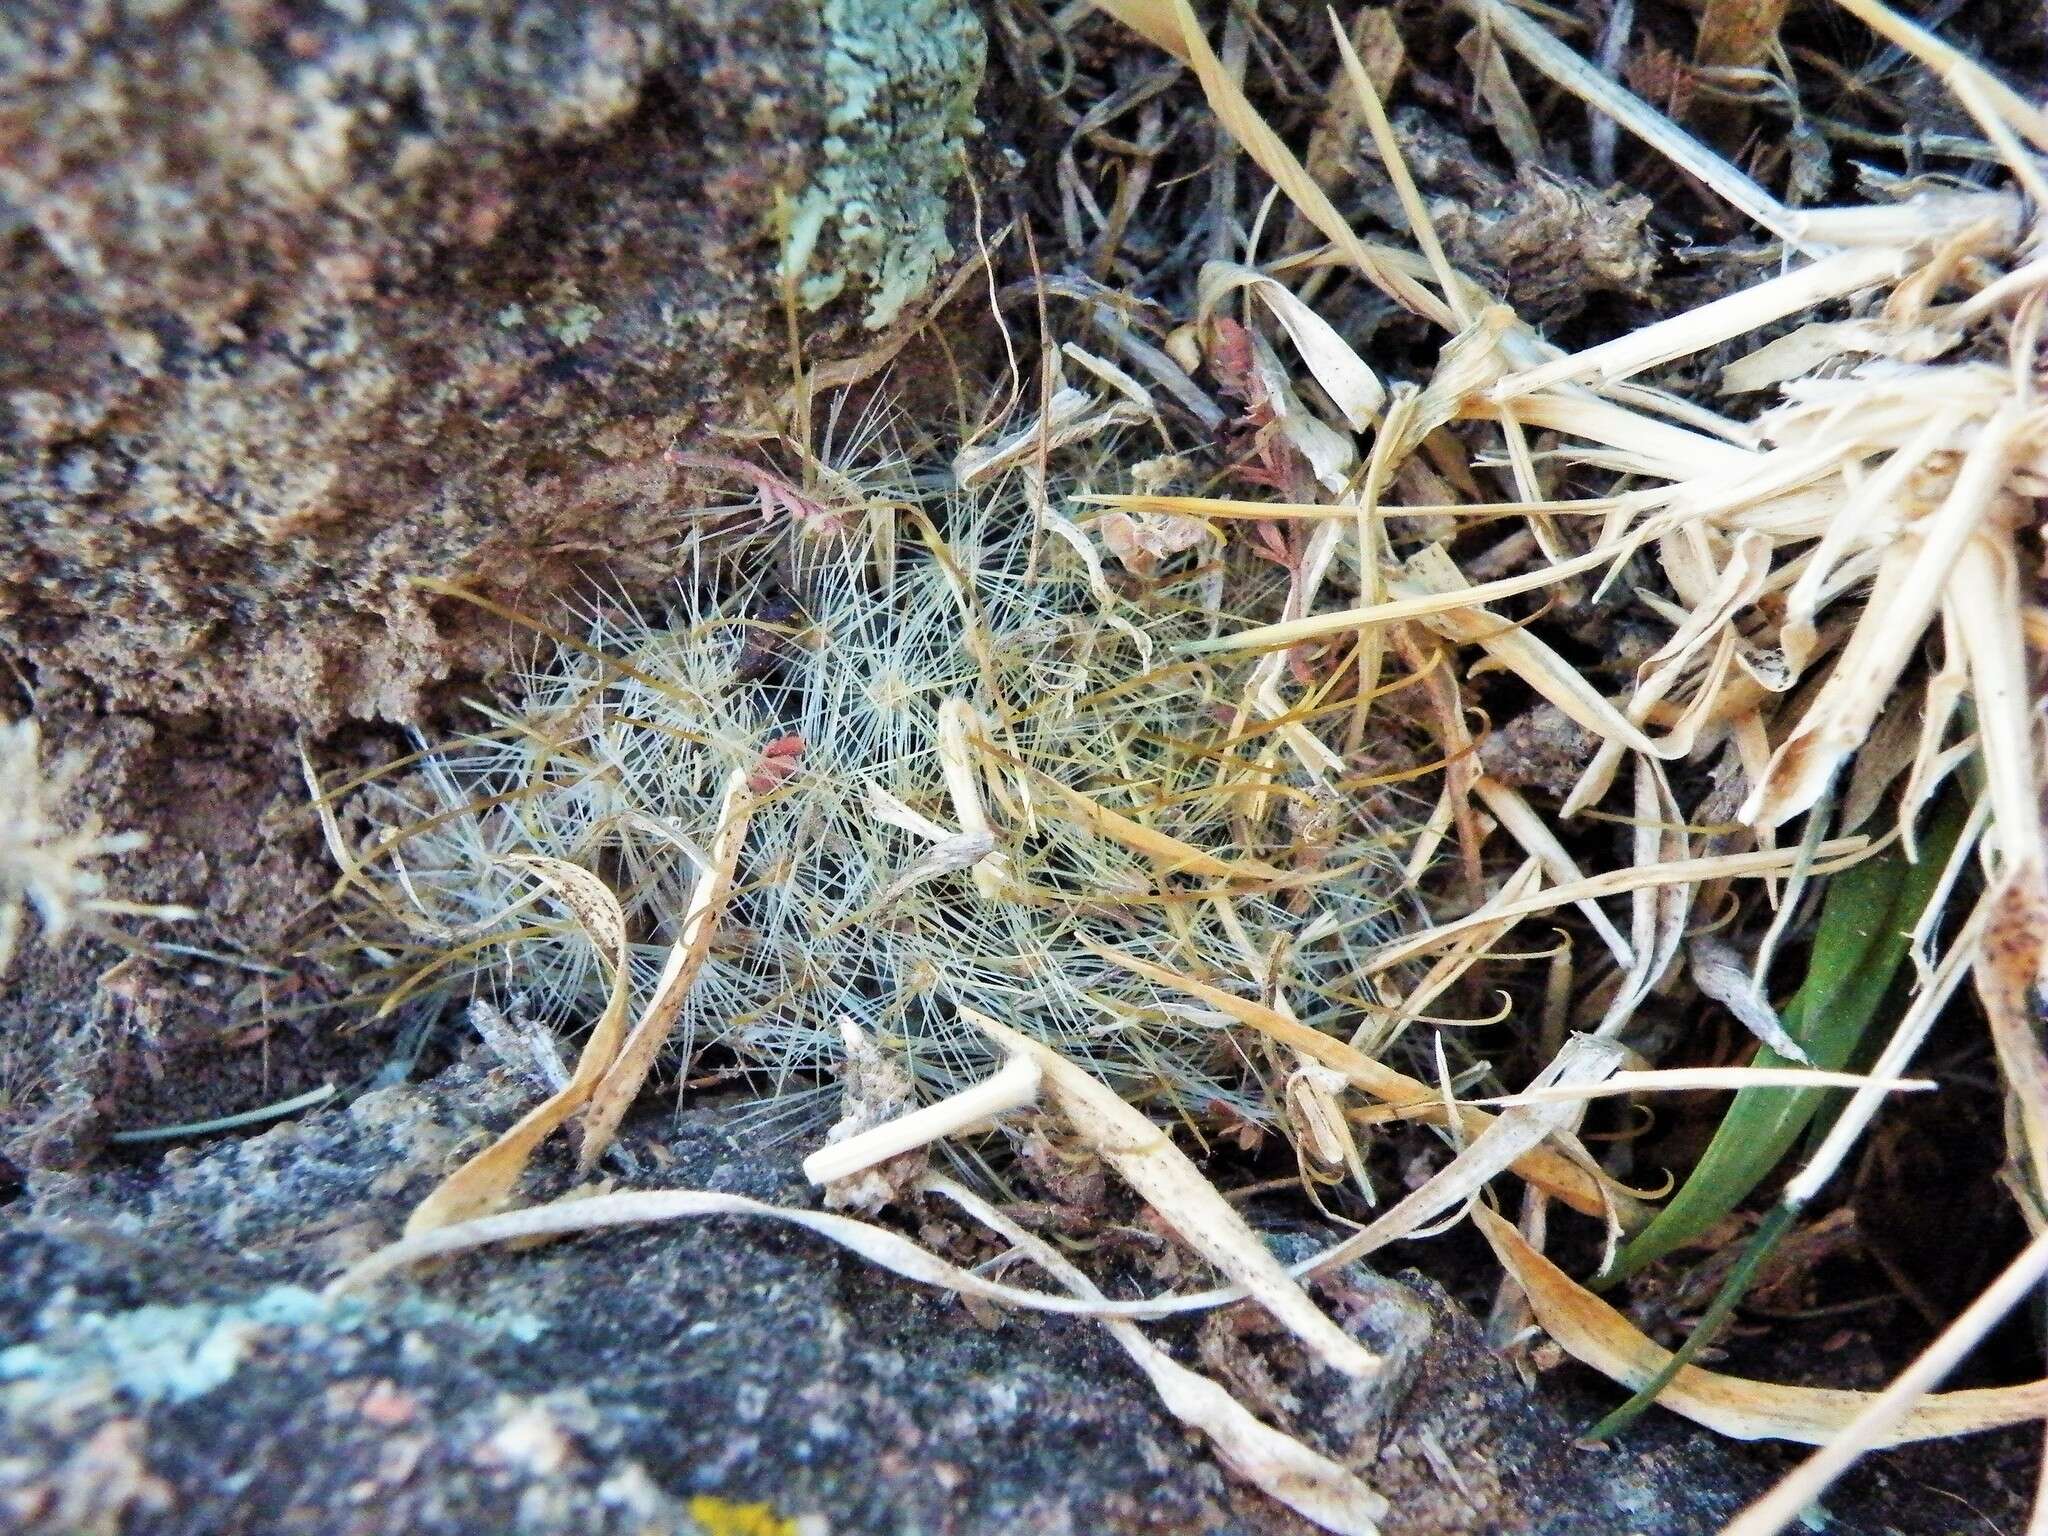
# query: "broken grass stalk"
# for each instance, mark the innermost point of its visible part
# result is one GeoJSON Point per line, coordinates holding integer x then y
{"type": "Point", "coordinates": [1013, 1086]}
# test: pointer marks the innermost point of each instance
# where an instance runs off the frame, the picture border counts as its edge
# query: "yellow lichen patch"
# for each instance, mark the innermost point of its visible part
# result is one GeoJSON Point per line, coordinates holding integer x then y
{"type": "Point", "coordinates": [720, 1516]}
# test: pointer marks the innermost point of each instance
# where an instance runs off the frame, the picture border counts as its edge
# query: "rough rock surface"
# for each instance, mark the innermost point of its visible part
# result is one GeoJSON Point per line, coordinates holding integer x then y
{"type": "Point", "coordinates": [306, 300]}
{"type": "Point", "coordinates": [301, 302]}
{"type": "Point", "coordinates": [166, 1365]}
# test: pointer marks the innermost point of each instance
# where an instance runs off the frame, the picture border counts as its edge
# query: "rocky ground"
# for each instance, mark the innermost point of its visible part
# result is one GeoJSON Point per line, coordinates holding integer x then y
{"type": "Point", "coordinates": [170, 1366]}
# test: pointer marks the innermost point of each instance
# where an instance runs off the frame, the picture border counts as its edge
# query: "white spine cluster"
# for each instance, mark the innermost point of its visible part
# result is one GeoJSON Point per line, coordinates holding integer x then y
{"type": "Point", "coordinates": [849, 903]}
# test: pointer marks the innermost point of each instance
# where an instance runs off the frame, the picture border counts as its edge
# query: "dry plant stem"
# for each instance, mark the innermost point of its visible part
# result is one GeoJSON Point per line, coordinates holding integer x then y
{"type": "Point", "coordinates": [1173, 25]}
{"type": "Point", "coordinates": [1412, 205]}
{"type": "Point", "coordinates": [1657, 915]}
{"type": "Point", "coordinates": [256, 1116]}
{"type": "Point", "coordinates": [1522, 823]}
{"type": "Point", "coordinates": [1950, 65]}
{"type": "Point", "coordinates": [620, 1085]}
{"type": "Point", "coordinates": [1432, 663]}
{"type": "Point", "coordinates": [1310, 511]}
{"type": "Point", "coordinates": [1308, 1483]}
{"type": "Point", "coordinates": [1505, 1141]}
{"type": "Point", "coordinates": [1581, 1190]}
{"type": "Point", "coordinates": [1841, 853]}
{"type": "Point", "coordinates": [1898, 1053]}
{"type": "Point", "coordinates": [1918, 220]}
{"type": "Point", "coordinates": [1013, 1086]}
{"type": "Point", "coordinates": [1416, 605]}
{"type": "Point", "coordinates": [1715, 1079]}
{"type": "Point", "coordinates": [1161, 1173]}
{"type": "Point", "coordinates": [1601, 131]}
{"type": "Point", "coordinates": [1595, 1334]}
{"type": "Point", "coordinates": [1879, 1423]}
{"type": "Point", "coordinates": [1522, 653]}
{"type": "Point", "coordinates": [633, 1208]}
{"type": "Point", "coordinates": [1566, 68]}
{"type": "Point", "coordinates": [1737, 314]}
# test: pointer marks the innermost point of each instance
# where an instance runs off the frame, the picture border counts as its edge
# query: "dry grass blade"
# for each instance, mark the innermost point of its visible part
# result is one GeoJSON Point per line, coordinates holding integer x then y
{"type": "Point", "coordinates": [1521, 822]}
{"type": "Point", "coordinates": [1162, 1174]}
{"type": "Point", "coordinates": [1415, 605]}
{"type": "Point", "coordinates": [1902, 1411]}
{"type": "Point", "coordinates": [1593, 1333]}
{"type": "Point", "coordinates": [487, 1180]}
{"type": "Point", "coordinates": [1579, 1067]}
{"type": "Point", "coordinates": [1523, 653]}
{"type": "Point", "coordinates": [1841, 853]}
{"type": "Point", "coordinates": [1307, 1482]}
{"type": "Point", "coordinates": [1747, 309]}
{"type": "Point", "coordinates": [620, 1086]}
{"type": "Point", "coordinates": [1392, 270]}
{"type": "Point", "coordinates": [1709, 1079]}
{"type": "Point", "coordinates": [1558, 1175]}
{"type": "Point", "coordinates": [1455, 962]}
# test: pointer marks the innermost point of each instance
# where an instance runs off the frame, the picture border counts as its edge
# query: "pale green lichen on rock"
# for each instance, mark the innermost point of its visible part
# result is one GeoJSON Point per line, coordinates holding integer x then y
{"type": "Point", "coordinates": [172, 1354]}
{"type": "Point", "coordinates": [901, 77]}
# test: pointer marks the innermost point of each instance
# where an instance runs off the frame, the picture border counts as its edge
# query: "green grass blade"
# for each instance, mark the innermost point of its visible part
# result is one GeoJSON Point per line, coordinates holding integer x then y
{"type": "Point", "coordinates": [1712, 1321]}
{"type": "Point", "coordinates": [1866, 920]}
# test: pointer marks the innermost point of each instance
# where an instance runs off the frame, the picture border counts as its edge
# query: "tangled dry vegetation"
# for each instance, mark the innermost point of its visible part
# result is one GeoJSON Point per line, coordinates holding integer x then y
{"type": "Point", "coordinates": [49, 860]}
{"type": "Point", "coordinates": [1129, 748]}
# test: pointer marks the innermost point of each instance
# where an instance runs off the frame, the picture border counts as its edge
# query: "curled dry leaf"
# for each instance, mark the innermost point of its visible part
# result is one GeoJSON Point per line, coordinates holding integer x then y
{"type": "Point", "coordinates": [1592, 1332]}
{"type": "Point", "coordinates": [1352, 386]}
{"type": "Point", "coordinates": [487, 1180]}
{"type": "Point", "coordinates": [1719, 971]}
{"type": "Point", "coordinates": [620, 1084]}
{"type": "Point", "coordinates": [1144, 541]}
